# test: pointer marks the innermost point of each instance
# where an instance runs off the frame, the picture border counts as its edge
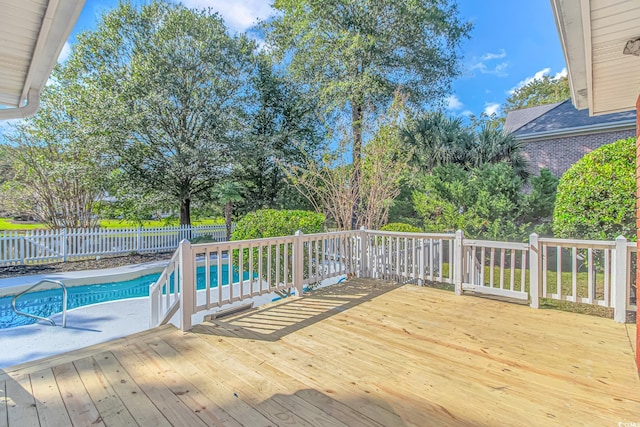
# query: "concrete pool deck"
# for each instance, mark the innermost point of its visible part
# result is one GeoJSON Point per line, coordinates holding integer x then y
{"type": "Point", "coordinates": [14, 285]}
{"type": "Point", "coordinates": [91, 324]}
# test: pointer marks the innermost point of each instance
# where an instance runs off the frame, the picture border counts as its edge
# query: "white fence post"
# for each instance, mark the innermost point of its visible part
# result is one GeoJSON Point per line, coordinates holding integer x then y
{"type": "Point", "coordinates": [534, 271]}
{"type": "Point", "coordinates": [21, 248]}
{"type": "Point", "coordinates": [619, 289]}
{"type": "Point", "coordinates": [458, 261]}
{"type": "Point", "coordinates": [187, 285]}
{"type": "Point", "coordinates": [364, 252]}
{"type": "Point", "coordinates": [138, 238]}
{"type": "Point", "coordinates": [298, 262]}
{"type": "Point", "coordinates": [64, 244]}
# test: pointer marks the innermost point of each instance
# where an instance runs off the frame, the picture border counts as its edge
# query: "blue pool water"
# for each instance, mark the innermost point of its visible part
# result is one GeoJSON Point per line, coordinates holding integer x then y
{"type": "Point", "coordinates": [46, 303]}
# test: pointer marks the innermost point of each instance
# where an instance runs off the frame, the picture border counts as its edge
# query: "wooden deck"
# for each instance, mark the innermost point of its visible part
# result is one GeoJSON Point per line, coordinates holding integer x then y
{"type": "Point", "coordinates": [367, 353]}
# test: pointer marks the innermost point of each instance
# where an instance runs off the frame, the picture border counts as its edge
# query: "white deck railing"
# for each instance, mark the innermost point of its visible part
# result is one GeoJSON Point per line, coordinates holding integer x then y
{"type": "Point", "coordinates": [202, 277]}
{"type": "Point", "coordinates": [46, 246]}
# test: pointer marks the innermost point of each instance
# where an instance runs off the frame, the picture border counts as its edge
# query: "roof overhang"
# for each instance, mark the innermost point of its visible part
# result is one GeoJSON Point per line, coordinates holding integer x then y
{"type": "Point", "coordinates": [593, 34]}
{"type": "Point", "coordinates": [33, 34]}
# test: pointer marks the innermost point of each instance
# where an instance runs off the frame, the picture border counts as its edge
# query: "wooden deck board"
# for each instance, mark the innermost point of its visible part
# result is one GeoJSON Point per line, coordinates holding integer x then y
{"type": "Point", "coordinates": [49, 403]}
{"type": "Point", "coordinates": [365, 353]}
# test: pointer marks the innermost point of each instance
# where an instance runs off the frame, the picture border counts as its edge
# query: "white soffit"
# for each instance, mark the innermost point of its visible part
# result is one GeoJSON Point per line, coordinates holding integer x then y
{"type": "Point", "coordinates": [32, 34]}
{"type": "Point", "coordinates": [593, 34]}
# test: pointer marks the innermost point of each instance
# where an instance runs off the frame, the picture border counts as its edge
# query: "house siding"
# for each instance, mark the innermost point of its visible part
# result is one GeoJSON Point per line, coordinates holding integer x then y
{"type": "Point", "coordinates": [558, 154]}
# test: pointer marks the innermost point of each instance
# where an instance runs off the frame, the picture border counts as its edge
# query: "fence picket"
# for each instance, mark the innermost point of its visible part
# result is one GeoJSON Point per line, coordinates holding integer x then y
{"type": "Point", "coordinates": [45, 246]}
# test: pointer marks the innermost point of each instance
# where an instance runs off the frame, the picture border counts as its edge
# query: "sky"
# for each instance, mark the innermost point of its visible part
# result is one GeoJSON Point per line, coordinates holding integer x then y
{"type": "Point", "coordinates": [512, 42]}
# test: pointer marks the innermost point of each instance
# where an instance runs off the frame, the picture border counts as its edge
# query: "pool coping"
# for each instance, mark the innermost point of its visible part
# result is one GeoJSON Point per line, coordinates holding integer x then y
{"type": "Point", "coordinates": [14, 285]}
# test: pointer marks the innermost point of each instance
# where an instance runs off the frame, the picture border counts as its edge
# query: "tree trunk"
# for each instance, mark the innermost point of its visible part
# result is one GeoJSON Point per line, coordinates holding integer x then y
{"type": "Point", "coordinates": [356, 127]}
{"type": "Point", "coordinates": [185, 211]}
{"type": "Point", "coordinates": [228, 218]}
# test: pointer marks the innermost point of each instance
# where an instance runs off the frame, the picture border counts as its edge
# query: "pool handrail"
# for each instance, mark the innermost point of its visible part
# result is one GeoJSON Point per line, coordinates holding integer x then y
{"type": "Point", "coordinates": [34, 316]}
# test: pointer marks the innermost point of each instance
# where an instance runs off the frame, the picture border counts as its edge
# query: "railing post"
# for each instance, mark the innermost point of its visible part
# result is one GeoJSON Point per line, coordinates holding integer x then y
{"type": "Point", "coordinates": [458, 261]}
{"type": "Point", "coordinates": [298, 262]}
{"type": "Point", "coordinates": [534, 271]}
{"type": "Point", "coordinates": [187, 285]}
{"type": "Point", "coordinates": [364, 252]}
{"type": "Point", "coordinates": [619, 289]}
{"type": "Point", "coordinates": [138, 238]}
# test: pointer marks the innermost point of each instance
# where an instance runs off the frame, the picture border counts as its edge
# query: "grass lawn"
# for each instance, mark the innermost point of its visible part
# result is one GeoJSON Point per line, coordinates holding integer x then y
{"type": "Point", "coordinates": [7, 224]}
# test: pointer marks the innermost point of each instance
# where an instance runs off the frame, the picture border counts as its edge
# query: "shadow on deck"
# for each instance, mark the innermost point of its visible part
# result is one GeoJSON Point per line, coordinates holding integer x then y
{"type": "Point", "coordinates": [364, 353]}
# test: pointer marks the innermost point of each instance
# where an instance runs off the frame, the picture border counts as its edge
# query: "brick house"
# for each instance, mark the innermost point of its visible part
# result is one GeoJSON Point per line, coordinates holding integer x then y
{"type": "Point", "coordinates": [557, 135]}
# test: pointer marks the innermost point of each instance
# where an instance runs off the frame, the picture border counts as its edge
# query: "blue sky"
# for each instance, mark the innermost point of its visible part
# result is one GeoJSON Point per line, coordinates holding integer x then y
{"type": "Point", "coordinates": [512, 42]}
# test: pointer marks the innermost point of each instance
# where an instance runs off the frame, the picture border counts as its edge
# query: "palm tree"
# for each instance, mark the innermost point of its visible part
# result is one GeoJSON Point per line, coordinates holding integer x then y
{"type": "Point", "coordinates": [228, 193]}
{"type": "Point", "coordinates": [495, 145]}
{"type": "Point", "coordinates": [437, 140]}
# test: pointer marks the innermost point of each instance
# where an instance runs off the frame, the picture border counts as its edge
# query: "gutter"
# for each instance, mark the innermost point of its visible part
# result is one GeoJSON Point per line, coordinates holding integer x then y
{"type": "Point", "coordinates": [33, 103]}
{"type": "Point", "coordinates": [580, 130]}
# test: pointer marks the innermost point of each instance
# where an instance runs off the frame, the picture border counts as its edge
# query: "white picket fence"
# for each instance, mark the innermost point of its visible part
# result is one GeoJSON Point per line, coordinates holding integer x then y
{"type": "Point", "coordinates": [46, 246]}
{"type": "Point", "coordinates": [574, 271]}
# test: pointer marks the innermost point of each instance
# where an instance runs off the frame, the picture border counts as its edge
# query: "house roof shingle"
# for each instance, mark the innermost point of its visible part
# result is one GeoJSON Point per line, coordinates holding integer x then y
{"type": "Point", "coordinates": [560, 117]}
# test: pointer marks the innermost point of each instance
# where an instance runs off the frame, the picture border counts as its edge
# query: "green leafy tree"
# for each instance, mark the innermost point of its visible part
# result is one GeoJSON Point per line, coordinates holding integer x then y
{"type": "Point", "coordinates": [283, 128]}
{"type": "Point", "coordinates": [169, 88]}
{"type": "Point", "coordinates": [546, 90]}
{"type": "Point", "coordinates": [597, 195]}
{"type": "Point", "coordinates": [356, 54]}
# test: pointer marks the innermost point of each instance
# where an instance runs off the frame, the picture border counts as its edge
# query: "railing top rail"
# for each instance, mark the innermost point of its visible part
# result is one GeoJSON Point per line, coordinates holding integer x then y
{"type": "Point", "coordinates": [496, 245]}
{"type": "Point", "coordinates": [329, 234]}
{"type": "Point", "coordinates": [449, 236]}
{"type": "Point", "coordinates": [235, 244]}
{"type": "Point", "coordinates": [569, 243]}
{"type": "Point", "coordinates": [167, 270]}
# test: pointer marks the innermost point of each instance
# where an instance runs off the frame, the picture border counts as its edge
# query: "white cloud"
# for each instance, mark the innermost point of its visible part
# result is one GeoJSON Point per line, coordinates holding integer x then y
{"type": "Point", "coordinates": [453, 103]}
{"type": "Point", "coordinates": [466, 113]}
{"type": "Point", "coordinates": [491, 108]}
{"type": "Point", "coordinates": [65, 52]}
{"type": "Point", "coordinates": [486, 64]}
{"type": "Point", "coordinates": [489, 56]}
{"type": "Point", "coordinates": [562, 73]}
{"type": "Point", "coordinates": [239, 15]}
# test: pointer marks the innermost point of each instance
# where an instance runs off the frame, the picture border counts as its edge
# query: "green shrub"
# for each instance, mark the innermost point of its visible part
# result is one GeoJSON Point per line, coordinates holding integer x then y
{"type": "Point", "coordinates": [401, 227]}
{"type": "Point", "coordinates": [596, 196]}
{"type": "Point", "coordinates": [276, 223]}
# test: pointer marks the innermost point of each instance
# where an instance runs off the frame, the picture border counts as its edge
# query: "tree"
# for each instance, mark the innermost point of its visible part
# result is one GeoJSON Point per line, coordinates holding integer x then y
{"type": "Point", "coordinates": [485, 202]}
{"type": "Point", "coordinates": [494, 145]}
{"type": "Point", "coordinates": [229, 193]}
{"type": "Point", "coordinates": [329, 184]}
{"type": "Point", "coordinates": [437, 140]}
{"type": "Point", "coordinates": [356, 54]}
{"type": "Point", "coordinates": [59, 172]}
{"type": "Point", "coordinates": [169, 87]}
{"type": "Point", "coordinates": [597, 195]}
{"type": "Point", "coordinates": [546, 90]}
{"type": "Point", "coordinates": [283, 128]}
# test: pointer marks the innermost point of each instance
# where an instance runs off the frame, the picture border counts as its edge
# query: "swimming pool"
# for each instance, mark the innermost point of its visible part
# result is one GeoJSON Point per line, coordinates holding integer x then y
{"type": "Point", "coordinates": [46, 303]}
